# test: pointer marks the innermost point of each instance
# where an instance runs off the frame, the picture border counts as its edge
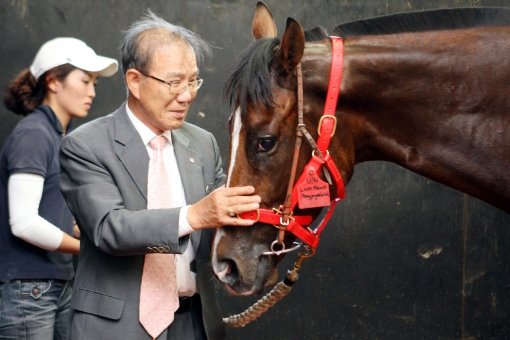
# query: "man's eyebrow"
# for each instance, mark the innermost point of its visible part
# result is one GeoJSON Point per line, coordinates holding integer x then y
{"type": "Point", "coordinates": [181, 74]}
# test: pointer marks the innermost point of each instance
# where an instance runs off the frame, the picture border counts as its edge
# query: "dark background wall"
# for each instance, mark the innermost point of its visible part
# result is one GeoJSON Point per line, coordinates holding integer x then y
{"type": "Point", "coordinates": [403, 258]}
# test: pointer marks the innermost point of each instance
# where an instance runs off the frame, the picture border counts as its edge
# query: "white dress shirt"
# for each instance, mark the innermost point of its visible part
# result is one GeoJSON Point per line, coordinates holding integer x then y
{"type": "Point", "coordinates": [186, 279]}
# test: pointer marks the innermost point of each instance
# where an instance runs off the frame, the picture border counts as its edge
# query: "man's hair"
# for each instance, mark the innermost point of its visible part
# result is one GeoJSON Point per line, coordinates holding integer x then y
{"type": "Point", "coordinates": [145, 35]}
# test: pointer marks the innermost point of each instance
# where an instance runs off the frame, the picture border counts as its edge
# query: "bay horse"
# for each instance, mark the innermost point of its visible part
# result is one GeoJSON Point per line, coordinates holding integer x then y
{"type": "Point", "coordinates": [430, 93]}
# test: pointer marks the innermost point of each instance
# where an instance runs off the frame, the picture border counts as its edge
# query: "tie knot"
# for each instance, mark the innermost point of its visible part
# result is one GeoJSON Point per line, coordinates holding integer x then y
{"type": "Point", "coordinates": [157, 143]}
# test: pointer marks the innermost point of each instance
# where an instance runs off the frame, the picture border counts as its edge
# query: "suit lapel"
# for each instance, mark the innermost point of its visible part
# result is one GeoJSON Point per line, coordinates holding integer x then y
{"type": "Point", "coordinates": [131, 151]}
{"type": "Point", "coordinates": [191, 172]}
{"type": "Point", "coordinates": [133, 154]}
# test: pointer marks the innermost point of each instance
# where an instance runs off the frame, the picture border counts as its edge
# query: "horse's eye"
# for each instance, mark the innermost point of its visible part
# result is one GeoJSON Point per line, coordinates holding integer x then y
{"type": "Point", "coordinates": [266, 144]}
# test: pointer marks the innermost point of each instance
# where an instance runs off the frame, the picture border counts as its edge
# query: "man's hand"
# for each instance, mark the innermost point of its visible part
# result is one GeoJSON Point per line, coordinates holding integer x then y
{"type": "Point", "coordinates": [221, 207]}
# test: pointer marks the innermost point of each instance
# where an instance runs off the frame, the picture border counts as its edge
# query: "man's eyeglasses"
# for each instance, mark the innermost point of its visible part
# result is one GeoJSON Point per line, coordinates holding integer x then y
{"type": "Point", "coordinates": [178, 86]}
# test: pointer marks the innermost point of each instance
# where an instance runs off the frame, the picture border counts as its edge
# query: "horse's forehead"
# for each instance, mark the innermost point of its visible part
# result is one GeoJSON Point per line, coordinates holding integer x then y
{"type": "Point", "coordinates": [283, 101]}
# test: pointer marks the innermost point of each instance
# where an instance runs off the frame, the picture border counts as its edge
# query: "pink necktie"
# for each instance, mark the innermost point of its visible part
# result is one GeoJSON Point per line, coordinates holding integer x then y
{"type": "Point", "coordinates": [158, 292]}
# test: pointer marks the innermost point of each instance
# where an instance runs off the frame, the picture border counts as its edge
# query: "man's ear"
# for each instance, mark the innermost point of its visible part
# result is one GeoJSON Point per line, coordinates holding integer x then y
{"type": "Point", "coordinates": [133, 79]}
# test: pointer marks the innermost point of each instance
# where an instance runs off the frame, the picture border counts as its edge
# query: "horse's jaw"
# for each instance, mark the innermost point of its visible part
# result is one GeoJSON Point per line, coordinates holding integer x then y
{"type": "Point", "coordinates": [240, 264]}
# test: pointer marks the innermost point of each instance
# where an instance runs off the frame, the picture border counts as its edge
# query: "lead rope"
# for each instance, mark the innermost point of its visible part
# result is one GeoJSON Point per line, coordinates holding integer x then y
{"type": "Point", "coordinates": [271, 298]}
{"type": "Point", "coordinates": [283, 287]}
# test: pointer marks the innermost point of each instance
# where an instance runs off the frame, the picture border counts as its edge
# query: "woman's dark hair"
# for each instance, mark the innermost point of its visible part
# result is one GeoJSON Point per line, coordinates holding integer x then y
{"type": "Point", "coordinates": [24, 93]}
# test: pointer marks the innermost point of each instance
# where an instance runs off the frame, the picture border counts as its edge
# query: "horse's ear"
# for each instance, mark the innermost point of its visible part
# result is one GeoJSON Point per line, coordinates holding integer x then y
{"type": "Point", "coordinates": [292, 46]}
{"type": "Point", "coordinates": [263, 25]}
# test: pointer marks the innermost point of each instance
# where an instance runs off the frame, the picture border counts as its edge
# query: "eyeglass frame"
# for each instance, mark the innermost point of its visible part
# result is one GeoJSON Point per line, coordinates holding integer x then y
{"type": "Point", "coordinates": [199, 81]}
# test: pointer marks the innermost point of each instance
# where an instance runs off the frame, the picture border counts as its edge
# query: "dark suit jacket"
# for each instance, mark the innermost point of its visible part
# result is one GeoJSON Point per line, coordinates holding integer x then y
{"type": "Point", "coordinates": [104, 180]}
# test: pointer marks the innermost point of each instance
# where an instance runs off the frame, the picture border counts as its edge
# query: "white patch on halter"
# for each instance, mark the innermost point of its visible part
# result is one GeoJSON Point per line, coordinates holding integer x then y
{"type": "Point", "coordinates": [235, 143]}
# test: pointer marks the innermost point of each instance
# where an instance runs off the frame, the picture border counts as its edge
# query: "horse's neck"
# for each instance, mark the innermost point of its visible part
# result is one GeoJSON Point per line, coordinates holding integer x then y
{"type": "Point", "coordinates": [434, 104]}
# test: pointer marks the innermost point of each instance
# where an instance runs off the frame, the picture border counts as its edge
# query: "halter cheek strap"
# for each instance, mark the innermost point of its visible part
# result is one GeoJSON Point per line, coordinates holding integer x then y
{"type": "Point", "coordinates": [327, 124]}
{"type": "Point", "coordinates": [309, 191]}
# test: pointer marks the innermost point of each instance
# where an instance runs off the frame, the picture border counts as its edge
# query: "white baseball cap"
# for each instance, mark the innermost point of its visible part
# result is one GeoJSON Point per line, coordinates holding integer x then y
{"type": "Point", "coordinates": [63, 50]}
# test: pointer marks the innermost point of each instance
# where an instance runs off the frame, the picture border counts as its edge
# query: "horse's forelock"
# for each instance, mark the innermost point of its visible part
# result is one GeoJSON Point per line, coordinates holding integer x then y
{"type": "Point", "coordinates": [251, 79]}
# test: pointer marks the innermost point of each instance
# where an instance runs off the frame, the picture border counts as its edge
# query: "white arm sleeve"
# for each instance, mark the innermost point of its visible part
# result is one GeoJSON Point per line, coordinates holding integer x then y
{"type": "Point", "coordinates": [24, 195]}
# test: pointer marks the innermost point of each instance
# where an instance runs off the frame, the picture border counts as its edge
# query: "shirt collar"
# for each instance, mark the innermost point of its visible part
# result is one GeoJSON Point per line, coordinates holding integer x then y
{"type": "Point", "coordinates": [144, 131]}
{"type": "Point", "coordinates": [52, 117]}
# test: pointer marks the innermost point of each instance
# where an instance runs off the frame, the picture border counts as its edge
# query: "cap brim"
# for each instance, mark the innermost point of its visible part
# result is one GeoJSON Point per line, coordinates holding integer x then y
{"type": "Point", "coordinates": [103, 66]}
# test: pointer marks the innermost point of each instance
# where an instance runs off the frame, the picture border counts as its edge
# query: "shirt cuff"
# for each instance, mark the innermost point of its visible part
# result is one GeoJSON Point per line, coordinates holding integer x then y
{"type": "Point", "coordinates": [184, 226]}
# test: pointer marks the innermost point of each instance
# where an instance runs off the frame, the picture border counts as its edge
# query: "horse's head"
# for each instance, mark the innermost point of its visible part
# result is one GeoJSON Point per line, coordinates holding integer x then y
{"type": "Point", "coordinates": [263, 94]}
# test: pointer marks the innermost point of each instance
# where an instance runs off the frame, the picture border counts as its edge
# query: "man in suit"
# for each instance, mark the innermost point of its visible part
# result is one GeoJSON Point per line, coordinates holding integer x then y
{"type": "Point", "coordinates": [105, 166]}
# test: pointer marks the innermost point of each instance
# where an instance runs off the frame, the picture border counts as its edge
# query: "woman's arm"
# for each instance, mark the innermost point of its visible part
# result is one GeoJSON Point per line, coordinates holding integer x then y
{"type": "Point", "coordinates": [24, 193]}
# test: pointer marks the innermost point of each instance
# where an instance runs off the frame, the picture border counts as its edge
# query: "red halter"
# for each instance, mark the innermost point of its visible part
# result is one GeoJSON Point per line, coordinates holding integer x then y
{"type": "Point", "coordinates": [310, 191]}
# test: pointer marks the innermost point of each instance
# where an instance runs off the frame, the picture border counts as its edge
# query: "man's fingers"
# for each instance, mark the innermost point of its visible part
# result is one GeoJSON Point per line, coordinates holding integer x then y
{"type": "Point", "coordinates": [237, 221]}
{"type": "Point", "coordinates": [239, 191]}
{"type": "Point", "coordinates": [242, 200]}
{"type": "Point", "coordinates": [237, 196]}
{"type": "Point", "coordinates": [237, 209]}
{"type": "Point", "coordinates": [240, 208]}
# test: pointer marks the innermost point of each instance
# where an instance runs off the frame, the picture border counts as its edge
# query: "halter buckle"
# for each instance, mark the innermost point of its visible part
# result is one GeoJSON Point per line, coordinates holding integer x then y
{"type": "Point", "coordinates": [333, 128]}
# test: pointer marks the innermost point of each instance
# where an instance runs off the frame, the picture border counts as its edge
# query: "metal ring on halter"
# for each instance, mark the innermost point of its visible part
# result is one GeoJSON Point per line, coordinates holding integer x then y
{"type": "Point", "coordinates": [295, 246]}
{"type": "Point", "coordinates": [314, 151]}
{"type": "Point", "coordinates": [284, 223]}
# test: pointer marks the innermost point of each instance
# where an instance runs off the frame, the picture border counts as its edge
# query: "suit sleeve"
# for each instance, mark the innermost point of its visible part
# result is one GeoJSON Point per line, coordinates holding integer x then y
{"type": "Point", "coordinates": [94, 185]}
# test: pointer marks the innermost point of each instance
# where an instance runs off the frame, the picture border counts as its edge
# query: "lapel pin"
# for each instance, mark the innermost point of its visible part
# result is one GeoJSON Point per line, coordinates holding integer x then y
{"type": "Point", "coordinates": [191, 160]}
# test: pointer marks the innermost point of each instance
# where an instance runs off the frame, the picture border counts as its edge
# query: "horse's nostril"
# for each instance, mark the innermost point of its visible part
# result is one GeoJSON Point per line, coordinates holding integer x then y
{"type": "Point", "coordinates": [231, 272]}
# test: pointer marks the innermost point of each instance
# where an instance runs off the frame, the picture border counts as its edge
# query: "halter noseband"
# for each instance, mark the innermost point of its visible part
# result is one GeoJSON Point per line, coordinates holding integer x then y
{"type": "Point", "coordinates": [309, 191]}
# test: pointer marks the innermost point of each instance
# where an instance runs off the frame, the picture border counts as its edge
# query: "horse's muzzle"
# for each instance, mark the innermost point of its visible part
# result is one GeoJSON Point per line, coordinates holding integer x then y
{"type": "Point", "coordinates": [242, 267]}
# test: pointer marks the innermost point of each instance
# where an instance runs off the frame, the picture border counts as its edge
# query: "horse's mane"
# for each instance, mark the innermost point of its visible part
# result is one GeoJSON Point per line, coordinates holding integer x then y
{"type": "Point", "coordinates": [430, 20]}
{"type": "Point", "coordinates": [316, 34]}
{"type": "Point", "coordinates": [251, 78]}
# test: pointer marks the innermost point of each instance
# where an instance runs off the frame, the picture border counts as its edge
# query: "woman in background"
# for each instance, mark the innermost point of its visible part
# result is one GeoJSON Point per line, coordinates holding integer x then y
{"type": "Point", "coordinates": [36, 226]}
